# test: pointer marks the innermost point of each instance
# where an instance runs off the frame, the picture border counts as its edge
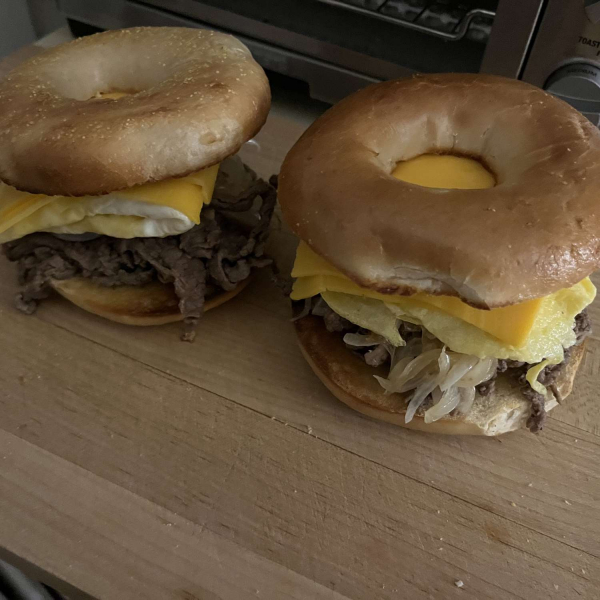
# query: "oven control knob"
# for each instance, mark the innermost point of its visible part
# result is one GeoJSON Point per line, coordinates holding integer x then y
{"type": "Point", "coordinates": [576, 82]}
{"type": "Point", "coordinates": [592, 10]}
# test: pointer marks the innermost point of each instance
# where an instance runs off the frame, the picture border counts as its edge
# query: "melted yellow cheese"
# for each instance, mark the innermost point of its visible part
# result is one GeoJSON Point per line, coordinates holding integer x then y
{"type": "Point", "coordinates": [530, 331]}
{"type": "Point", "coordinates": [156, 209]}
{"type": "Point", "coordinates": [552, 329]}
{"type": "Point", "coordinates": [445, 171]}
{"type": "Point", "coordinates": [511, 324]}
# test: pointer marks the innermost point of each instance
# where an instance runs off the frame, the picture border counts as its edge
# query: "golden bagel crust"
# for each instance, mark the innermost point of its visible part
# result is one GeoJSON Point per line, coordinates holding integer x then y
{"type": "Point", "coordinates": [535, 232]}
{"type": "Point", "coordinates": [196, 97]}
{"type": "Point", "coordinates": [151, 304]}
{"type": "Point", "coordinates": [351, 380]}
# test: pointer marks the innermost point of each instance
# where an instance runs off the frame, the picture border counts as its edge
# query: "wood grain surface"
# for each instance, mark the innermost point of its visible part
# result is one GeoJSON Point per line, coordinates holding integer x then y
{"type": "Point", "coordinates": [133, 465]}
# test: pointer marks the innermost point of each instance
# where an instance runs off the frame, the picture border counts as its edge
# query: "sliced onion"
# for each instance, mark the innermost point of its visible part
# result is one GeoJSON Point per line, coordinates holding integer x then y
{"type": "Point", "coordinates": [419, 397]}
{"type": "Point", "coordinates": [363, 340]}
{"type": "Point", "coordinates": [467, 397]}
{"type": "Point", "coordinates": [426, 377]}
{"type": "Point", "coordinates": [481, 372]}
{"type": "Point", "coordinates": [462, 366]}
{"type": "Point", "coordinates": [400, 366]}
{"type": "Point", "coordinates": [415, 382]}
{"type": "Point", "coordinates": [389, 385]}
{"type": "Point", "coordinates": [385, 384]}
{"type": "Point", "coordinates": [443, 363]}
{"type": "Point", "coordinates": [399, 377]}
{"type": "Point", "coordinates": [448, 402]}
{"type": "Point", "coordinates": [430, 385]}
{"type": "Point", "coordinates": [425, 366]}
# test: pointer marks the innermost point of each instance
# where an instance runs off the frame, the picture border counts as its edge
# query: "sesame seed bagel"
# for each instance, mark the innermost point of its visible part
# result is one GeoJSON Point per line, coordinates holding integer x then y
{"type": "Point", "coordinates": [535, 232]}
{"type": "Point", "coordinates": [194, 97]}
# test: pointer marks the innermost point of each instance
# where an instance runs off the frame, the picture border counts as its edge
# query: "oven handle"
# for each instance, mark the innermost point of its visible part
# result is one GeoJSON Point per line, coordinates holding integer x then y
{"type": "Point", "coordinates": [458, 33]}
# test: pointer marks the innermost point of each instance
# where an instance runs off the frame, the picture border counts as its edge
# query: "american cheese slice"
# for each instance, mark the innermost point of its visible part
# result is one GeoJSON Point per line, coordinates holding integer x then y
{"type": "Point", "coordinates": [151, 210]}
{"type": "Point", "coordinates": [512, 324]}
{"type": "Point", "coordinates": [306, 287]}
{"type": "Point", "coordinates": [445, 171]}
{"type": "Point", "coordinates": [551, 332]}
{"type": "Point", "coordinates": [308, 263]}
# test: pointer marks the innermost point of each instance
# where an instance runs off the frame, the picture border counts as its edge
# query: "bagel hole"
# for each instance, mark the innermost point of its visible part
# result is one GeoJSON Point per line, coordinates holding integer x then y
{"type": "Point", "coordinates": [446, 170]}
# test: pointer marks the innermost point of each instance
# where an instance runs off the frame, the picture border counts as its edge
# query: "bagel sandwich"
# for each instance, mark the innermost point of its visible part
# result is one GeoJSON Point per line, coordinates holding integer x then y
{"type": "Point", "coordinates": [448, 227]}
{"type": "Point", "coordinates": [120, 184]}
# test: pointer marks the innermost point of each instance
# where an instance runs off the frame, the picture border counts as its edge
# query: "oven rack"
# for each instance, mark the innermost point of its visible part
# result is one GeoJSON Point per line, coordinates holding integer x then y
{"type": "Point", "coordinates": [446, 21]}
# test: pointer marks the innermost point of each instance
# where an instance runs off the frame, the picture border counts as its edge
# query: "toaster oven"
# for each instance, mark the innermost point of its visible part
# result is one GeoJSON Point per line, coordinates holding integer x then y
{"type": "Point", "coordinates": [338, 46]}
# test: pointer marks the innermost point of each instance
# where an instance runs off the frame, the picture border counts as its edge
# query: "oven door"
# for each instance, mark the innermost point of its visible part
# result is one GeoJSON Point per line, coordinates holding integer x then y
{"type": "Point", "coordinates": [338, 46]}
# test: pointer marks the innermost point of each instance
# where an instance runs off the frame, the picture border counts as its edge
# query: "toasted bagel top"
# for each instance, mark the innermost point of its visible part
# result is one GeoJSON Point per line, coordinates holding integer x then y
{"type": "Point", "coordinates": [535, 232]}
{"type": "Point", "coordinates": [193, 98]}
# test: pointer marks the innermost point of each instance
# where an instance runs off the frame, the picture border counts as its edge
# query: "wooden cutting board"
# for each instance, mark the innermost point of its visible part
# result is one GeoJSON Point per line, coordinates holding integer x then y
{"type": "Point", "coordinates": [133, 465]}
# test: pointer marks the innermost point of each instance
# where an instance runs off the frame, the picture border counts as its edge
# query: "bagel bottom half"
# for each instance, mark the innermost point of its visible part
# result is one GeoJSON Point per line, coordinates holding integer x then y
{"type": "Point", "coordinates": [151, 304]}
{"type": "Point", "coordinates": [351, 380]}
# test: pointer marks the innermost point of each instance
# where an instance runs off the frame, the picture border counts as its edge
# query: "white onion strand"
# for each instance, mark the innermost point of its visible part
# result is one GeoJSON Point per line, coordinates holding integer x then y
{"type": "Point", "coordinates": [448, 402]}
{"type": "Point", "coordinates": [425, 366]}
{"type": "Point", "coordinates": [467, 397]}
{"type": "Point", "coordinates": [462, 366]}
{"type": "Point", "coordinates": [481, 372]}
